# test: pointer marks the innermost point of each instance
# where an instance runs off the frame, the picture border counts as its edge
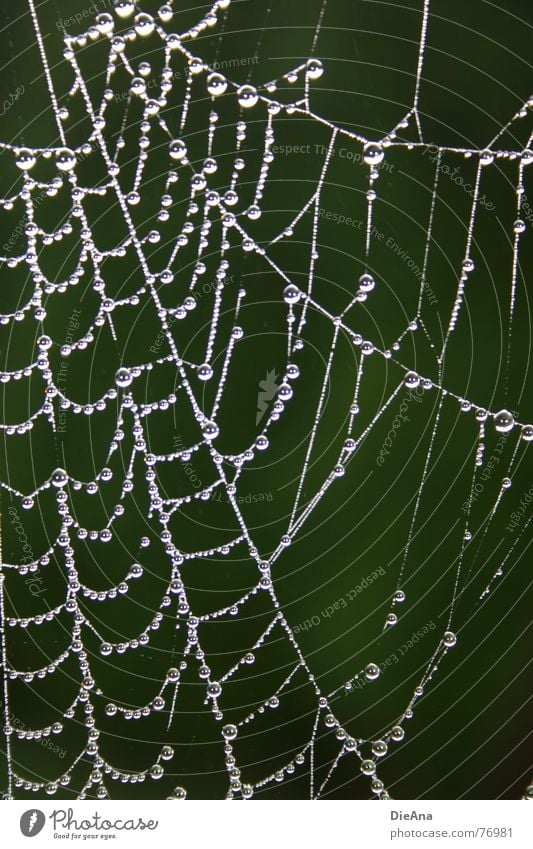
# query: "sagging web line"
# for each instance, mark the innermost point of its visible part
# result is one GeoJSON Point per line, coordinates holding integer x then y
{"type": "Point", "coordinates": [66, 160]}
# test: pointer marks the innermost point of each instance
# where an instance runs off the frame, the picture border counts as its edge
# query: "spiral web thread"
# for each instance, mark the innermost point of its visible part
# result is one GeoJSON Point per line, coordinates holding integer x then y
{"type": "Point", "coordinates": [133, 417]}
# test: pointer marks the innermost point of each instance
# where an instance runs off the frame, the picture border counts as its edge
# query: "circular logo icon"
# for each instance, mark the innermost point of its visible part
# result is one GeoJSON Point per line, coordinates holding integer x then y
{"type": "Point", "coordinates": [32, 822]}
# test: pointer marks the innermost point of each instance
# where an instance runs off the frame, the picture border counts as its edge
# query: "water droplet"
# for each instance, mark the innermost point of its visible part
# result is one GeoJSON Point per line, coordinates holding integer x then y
{"type": "Point", "coordinates": [291, 294]}
{"type": "Point", "coordinates": [123, 377]}
{"type": "Point", "coordinates": [25, 159]}
{"type": "Point", "coordinates": [486, 157]}
{"type": "Point", "coordinates": [156, 771]}
{"type": "Point", "coordinates": [210, 430]}
{"type": "Point", "coordinates": [314, 69]}
{"type": "Point", "coordinates": [503, 421]}
{"type": "Point", "coordinates": [214, 689]}
{"type": "Point", "coordinates": [177, 149]}
{"type": "Point", "coordinates": [216, 84]}
{"type": "Point", "coordinates": [412, 380]}
{"type": "Point", "coordinates": [65, 159]}
{"type": "Point", "coordinates": [205, 372]}
{"type": "Point", "coordinates": [124, 8]}
{"type": "Point", "coordinates": [144, 24]}
{"type": "Point", "coordinates": [285, 392]}
{"type": "Point", "coordinates": [106, 649]}
{"type": "Point", "coordinates": [449, 639]}
{"type": "Point", "coordinates": [397, 733]}
{"type": "Point", "coordinates": [373, 153]}
{"type": "Point", "coordinates": [368, 767]}
{"type": "Point", "coordinates": [104, 23]}
{"type": "Point", "coordinates": [379, 748]}
{"type": "Point", "coordinates": [519, 226]}
{"type": "Point", "coordinates": [167, 753]}
{"type": "Point", "coordinates": [179, 794]}
{"type": "Point", "coordinates": [247, 96]}
{"type": "Point", "coordinates": [229, 732]}
{"type": "Point", "coordinates": [527, 433]}
{"type": "Point", "coordinates": [59, 478]}
{"type": "Point", "coordinates": [372, 671]}
{"type": "Point", "coordinates": [366, 282]}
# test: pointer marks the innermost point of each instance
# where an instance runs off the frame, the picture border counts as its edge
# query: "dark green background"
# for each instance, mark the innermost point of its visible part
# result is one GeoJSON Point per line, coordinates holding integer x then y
{"type": "Point", "coordinates": [470, 735]}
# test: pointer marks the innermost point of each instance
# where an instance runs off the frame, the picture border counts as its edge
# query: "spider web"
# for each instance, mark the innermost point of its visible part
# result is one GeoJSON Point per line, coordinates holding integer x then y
{"type": "Point", "coordinates": [142, 273]}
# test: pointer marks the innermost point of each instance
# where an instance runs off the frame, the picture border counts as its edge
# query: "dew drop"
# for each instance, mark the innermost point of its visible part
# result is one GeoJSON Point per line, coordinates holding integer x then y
{"type": "Point", "coordinates": [179, 793]}
{"type": "Point", "coordinates": [104, 23]}
{"type": "Point", "coordinates": [412, 380]}
{"type": "Point", "coordinates": [372, 672]}
{"type": "Point", "coordinates": [373, 153]}
{"type": "Point", "coordinates": [124, 8]}
{"type": "Point", "coordinates": [229, 732]}
{"type": "Point", "coordinates": [291, 294]}
{"type": "Point", "coordinates": [247, 96]}
{"type": "Point", "coordinates": [216, 84]}
{"type": "Point", "coordinates": [177, 149]}
{"type": "Point", "coordinates": [205, 372]}
{"type": "Point", "coordinates": [65, 159]}
{"type": "Point", "coordinates": [527, 433]}
{"type": "Point", "coordinates": [123, 377]}
{"type": "Point", "coordinates": [449, 639]}
{"type": "Point", "coordinates": [314, 69]}
{"type": "Point", "coordinates": [59, 478]}
{"type": "Point", "coordinates": [210, 430]}
{"type": "Point", "coordinates": [366, 282]}
{"type": "Point", "coordinates": [368, 767]}
{"type": "Point", "coordinates": [379, 748]}
{"type": "Point", "coordinates": [504, 421]}
{"type": "Point", "coordinates": [144, 24]}
{"type": "Point", "coordinates": [25, 159]}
